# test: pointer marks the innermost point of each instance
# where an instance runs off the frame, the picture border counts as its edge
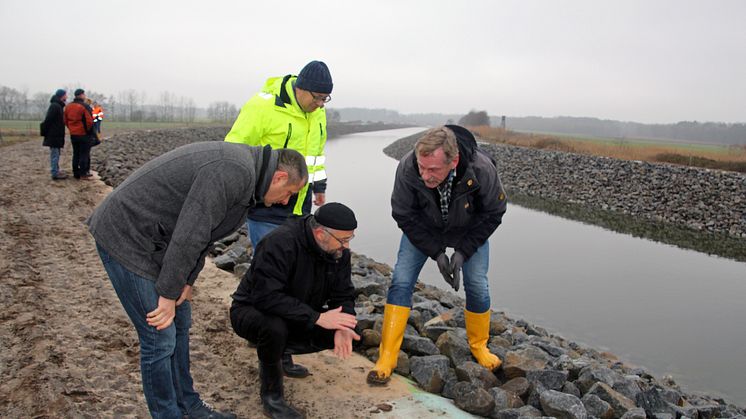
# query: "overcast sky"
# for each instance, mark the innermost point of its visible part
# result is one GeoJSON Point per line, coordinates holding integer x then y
{"type": "Point", "coordinates": [632, 60]}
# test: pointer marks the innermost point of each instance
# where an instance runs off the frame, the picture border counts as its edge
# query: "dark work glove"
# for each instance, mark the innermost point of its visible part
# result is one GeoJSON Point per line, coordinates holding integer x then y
{"type": "Point", "coordinates": [457, 261]}
{"type": "Point", "coordinates": [444, 267]}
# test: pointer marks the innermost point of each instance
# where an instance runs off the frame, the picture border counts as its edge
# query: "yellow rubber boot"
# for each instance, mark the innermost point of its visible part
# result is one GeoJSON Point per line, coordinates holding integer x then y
{"type": "Point", "coordinates": [394, 322]}
{"type": "Point", "coordinates": [478, 332]}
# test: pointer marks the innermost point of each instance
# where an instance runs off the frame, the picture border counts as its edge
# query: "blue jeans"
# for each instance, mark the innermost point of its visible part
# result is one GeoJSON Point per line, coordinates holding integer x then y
{"type": "Point", "coordinates": [258, 229]}
{"type": "Point", "coordinates": [164, 355]}
{"type": "Point", "coordinates": [409, 263]}
{"type": "Point", "coordinates": [54, 160]}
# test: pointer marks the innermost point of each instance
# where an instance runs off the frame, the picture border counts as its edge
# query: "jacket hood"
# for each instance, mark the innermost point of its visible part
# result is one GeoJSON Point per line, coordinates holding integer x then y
{"type": "Point", "coordinates": [272, 85]}
{"type": "Point", "coordinates": [467, 144]}
{"type": "Point", "coordinates": [279, 87]}
{"type": "Point", "coordinates": [55, 99]}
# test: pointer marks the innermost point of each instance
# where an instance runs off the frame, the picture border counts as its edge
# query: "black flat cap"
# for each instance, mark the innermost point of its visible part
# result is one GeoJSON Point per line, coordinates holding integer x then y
{"type": "Point", "coordinates": [337, 216]}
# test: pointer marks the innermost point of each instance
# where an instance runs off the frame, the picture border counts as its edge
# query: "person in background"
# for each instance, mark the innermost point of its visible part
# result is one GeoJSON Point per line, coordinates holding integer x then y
{"type": "Point", "coordinates": [298, 297]}
{"type": "Point", "coordinates": [53, 131]}
{"type": "Point", "coordinates": [98, 117]}
{"type": "Point", "coordinates": [288, 113]}
{"type": "Point", "coordinates": [79, 122]}
{"type": "Point", "coordinates": [153, 233]}
{"type": "Point", "coordinates": [447, 194]}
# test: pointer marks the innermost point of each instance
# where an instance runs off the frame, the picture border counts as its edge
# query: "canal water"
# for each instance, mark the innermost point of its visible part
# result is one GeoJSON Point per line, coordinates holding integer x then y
{"type": "Point", "coordinates": [676, 312]}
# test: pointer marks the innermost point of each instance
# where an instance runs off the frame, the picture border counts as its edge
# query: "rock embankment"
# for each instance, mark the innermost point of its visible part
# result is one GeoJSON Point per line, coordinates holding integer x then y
{"type": "Point", "coordinates": [699, 199]}
{"type": "Point", "coordinates": [542, 374]}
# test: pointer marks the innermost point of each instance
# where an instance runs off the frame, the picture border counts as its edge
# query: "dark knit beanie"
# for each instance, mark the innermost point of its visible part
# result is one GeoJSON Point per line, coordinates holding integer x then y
{"type": "Point", "coordinates": [337, 216]}
{"type": "Point", "coordinates": [79, 92]}
{"type": "Point", "coordinates": [315, 77]}
{"type": "Point", "coordinates": [60, 92]}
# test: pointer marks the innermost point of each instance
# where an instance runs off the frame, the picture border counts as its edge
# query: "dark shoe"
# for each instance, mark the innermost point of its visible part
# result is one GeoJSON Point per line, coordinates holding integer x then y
{"type": "Point", "coordinates": [293, 370]}
{"type": "Point", "coordinates": [59, 176]}
{"type": "Point", "coordinates": [205, 411]}
{"type": "Point", "coordinates": [272, 392]}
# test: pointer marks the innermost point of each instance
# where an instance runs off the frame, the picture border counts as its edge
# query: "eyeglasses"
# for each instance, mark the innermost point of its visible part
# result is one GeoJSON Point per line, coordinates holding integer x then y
{"type": "Point", "coordinates": [321, 98]}
{"type": "Point", "coordinates": [343, 241]}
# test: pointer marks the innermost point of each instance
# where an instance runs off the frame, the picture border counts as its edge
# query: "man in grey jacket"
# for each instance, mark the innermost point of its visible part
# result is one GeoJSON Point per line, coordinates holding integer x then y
{"type": "Point", "coordinates": [153, 232]}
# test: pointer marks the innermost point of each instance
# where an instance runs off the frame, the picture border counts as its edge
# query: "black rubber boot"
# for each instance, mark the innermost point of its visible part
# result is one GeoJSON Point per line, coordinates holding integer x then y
{"type": "Point", "coordinates": [292, 369]}
{"type": "Point", "coordinates": [273, 394]}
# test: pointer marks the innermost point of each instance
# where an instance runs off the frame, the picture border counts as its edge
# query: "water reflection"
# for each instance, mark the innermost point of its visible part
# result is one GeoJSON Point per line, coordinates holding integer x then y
{"type": "Point", "coordinates": [706, 242]}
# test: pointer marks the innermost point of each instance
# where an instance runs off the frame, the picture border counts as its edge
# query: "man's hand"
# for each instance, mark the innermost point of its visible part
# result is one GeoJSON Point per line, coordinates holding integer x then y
{"type": "Point", "coordinates": [336, 319]}
{"type": "Point", "coordinates": [319, 199]}
{"type": "Point", "coordinates": [343, 342]}
{"type": "Point", "coordinates": [444, 267]}
{"type": "Point", "coordinates": [186, 295]}
{"type": "Point", "coordinates": [163, 316]}
{"type": "Point", "coordinates": [457, 261]}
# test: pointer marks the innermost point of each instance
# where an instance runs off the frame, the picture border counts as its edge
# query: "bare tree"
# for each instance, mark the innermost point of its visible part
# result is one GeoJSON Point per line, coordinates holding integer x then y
{"type": "Point", "coordinates": [39, 105]}
{"type": "Point", "coordinates": [166, 107]}
{"type": "Point", "coordinates": [190, 110]}
{"type": "Point", "coordinates": [222, 112]}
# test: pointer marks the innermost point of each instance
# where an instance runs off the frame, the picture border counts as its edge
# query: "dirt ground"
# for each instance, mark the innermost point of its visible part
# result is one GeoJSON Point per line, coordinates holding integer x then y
{"type": "Point", "coordinates": [67, 348]}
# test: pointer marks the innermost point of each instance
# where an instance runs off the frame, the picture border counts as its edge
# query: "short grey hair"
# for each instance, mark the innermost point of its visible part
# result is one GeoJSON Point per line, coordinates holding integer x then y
{"type": "Point", "coordinates": [435, 138]}
{"type": "Point", "coordinates": [292, 162]}
{"type": "Point", "coordinates": [313, 223]}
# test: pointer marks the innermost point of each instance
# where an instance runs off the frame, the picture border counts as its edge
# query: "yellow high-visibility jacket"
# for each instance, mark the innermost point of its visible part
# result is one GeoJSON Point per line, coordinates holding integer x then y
{"type": "Point", "coordinates": [273, 117]}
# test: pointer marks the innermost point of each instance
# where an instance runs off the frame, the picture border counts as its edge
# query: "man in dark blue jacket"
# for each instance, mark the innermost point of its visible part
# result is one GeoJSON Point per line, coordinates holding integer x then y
{"type": "Point", "coordinates": [447, 194]}
{"type": "Point", "coordinates": [53, 131]}
{"type": "Point", "coordinates": [298, 297]}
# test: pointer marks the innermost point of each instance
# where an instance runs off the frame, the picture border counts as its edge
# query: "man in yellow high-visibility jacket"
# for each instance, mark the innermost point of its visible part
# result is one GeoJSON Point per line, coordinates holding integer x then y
{"type": "Point", "coordinates": [288, 113]}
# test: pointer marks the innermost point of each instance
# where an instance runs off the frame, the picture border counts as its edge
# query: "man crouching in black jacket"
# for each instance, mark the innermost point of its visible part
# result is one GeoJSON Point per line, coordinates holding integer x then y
{"type": "Point", "coordinates": [298, 298]}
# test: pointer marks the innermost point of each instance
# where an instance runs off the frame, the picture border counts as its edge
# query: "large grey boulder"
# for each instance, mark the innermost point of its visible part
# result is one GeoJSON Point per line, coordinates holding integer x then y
{"type": "Point", "coordinates": [597, 407]}
{"type": "Point", "coordinates": [550, 379]}
{"type": "Point", "coordinates": [418, 345]}
{"type": "Point", "coordinates": [477, 374]}
{"type": "Point", "coordinates": [562, 405]}
{"type": "Point", "coordinates": [518, 386]}
{"type": "Point", "coordinates": [473, 398]}
{"type": "Point", "coordinates": [505, 399]}
{"type": "Point", "coordinates": [518, 362]}
{"type": "Point", "coordinates": [618, 402]}
{"type": "Point", "coordinates": [454, 347]}
{"type": "Point", "coordinates": [430, 372]}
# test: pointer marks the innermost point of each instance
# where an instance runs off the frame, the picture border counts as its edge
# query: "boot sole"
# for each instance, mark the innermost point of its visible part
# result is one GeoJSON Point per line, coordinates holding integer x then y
{"type": "Point", "coordinates": [374, 380]}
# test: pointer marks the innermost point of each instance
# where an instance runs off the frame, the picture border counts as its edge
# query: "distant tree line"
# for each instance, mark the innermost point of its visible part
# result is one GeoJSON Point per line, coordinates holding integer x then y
{"type": "Point", "coordinates": [714, 132]}
{"type": "Point", "coordinates": [127, 105]}
{"type": "Point", "coordinates": [707, 132]}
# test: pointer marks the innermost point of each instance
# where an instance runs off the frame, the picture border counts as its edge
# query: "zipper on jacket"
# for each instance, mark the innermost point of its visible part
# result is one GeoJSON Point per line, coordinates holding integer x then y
{"type": "Point", "coordinates": [290, 133]}
{"type": "Point", "coordinates": [321, 131]}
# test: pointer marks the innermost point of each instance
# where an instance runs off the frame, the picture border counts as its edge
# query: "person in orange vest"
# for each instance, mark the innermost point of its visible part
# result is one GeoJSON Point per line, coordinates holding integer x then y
{"type": "Point", "coordinates": [79, 122]}
{"type": "Point", "coordinates": [98, 116]}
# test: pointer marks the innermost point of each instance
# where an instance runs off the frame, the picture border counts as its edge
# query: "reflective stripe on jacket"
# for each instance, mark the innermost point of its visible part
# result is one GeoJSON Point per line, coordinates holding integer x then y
{"type": "Point", "coordinates": [98, 114]}
{"type": "Point", "coordinates": [273, 117]}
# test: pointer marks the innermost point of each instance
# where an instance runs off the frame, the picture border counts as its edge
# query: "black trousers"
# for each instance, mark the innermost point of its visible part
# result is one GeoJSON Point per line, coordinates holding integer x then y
{"type": "Point", "coordinates": [274, 335]}
{"type": "Point", "coordinates": [81, 155]}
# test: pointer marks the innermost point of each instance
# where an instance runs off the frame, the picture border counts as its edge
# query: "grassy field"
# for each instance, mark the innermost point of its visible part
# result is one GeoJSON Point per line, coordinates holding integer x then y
{"type": "Point", "coordinates": [701, 155]}
{"type": "Point", "coordinates": [14, 131]}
